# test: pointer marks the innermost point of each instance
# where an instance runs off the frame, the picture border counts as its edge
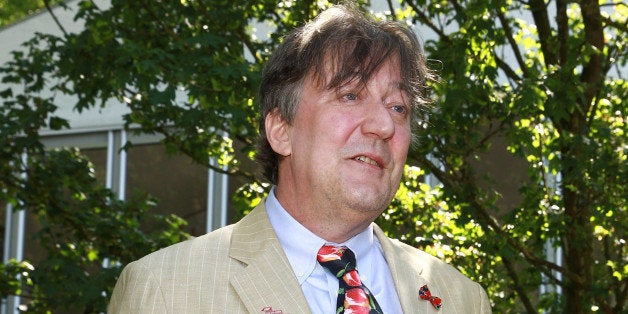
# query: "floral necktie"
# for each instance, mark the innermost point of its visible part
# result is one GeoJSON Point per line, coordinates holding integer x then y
{"type": "Point", "coordinates": [353, 296]}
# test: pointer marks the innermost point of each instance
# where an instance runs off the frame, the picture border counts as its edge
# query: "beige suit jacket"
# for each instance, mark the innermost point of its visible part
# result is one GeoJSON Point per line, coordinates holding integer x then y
{"type": "Point", "coordinates": [242, 268]}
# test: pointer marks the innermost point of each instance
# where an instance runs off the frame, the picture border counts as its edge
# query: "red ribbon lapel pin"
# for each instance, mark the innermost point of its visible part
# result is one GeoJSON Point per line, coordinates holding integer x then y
{"type": "Point", "coordinates": [269, 310]}
{"type": "Point", "coordinates": [425, 294]}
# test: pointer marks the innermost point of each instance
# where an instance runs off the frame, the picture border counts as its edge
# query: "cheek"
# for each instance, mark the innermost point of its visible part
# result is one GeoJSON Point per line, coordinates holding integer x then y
{"type": "Point", "coordinates": [337, 128]}
{"type": "Point", "coordinates": [315, 139]}
{"type": "Point", "coordinates": [401, 142]}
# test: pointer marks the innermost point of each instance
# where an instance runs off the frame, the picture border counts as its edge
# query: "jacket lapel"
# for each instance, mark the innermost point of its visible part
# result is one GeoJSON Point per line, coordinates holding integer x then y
{"type": "Point", "coordinates": [267, 279]}
{"type": "Point", "coordinates": [406, 271]}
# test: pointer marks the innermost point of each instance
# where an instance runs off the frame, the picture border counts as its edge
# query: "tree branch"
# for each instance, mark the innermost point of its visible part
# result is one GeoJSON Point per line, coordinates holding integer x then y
{"type": "Point", "coordinates": [54, 17]}
{"type": "Point", "coordinates": [507, 69]}
{"type": "Point", "coordinates": [541, 19]}
{"type": "Point", "coordinates": [521, 291]}
{"type": "Point", "coordinates": [487, 136]}
{"type": "Point", "coordinates": [622, 28]}
{"type": "Point", "coordinates": [246, 40]}
{"type": "Point", "coordinates": [594, 36]}
{"type": "Point", "coordinates": [428, 22]}
{"type": "Point", "coordinates": [392, 9]}
{"type": "Point", "coordinates": [513, 46]}
{"type": "Point", "coordinates": [563, 31]}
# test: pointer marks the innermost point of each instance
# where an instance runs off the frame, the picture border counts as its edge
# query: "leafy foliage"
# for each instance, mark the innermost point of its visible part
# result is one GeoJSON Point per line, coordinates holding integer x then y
{"type": "Point", "coordinates": [558, 108]}
{"type": "Point", "coordinates": [546, 94]}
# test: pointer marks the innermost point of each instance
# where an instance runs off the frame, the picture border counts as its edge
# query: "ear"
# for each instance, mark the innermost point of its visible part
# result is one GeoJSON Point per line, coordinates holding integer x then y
{"type": "Point", "coordinates": [277, 133]}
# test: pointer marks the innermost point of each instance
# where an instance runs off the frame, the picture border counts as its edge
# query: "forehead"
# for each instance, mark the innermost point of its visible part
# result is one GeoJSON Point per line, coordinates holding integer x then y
{"type": "Point", "coordinates": [335, 75]}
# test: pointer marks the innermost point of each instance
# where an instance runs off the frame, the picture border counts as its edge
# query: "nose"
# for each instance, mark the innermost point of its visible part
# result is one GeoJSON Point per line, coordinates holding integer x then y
{"type": "Point", "coordinates": [378, 122]}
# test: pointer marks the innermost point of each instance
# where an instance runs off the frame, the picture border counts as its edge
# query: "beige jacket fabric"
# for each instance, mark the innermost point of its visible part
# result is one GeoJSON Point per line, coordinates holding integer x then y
{"type": "Point", "coordinates": [242, 268]}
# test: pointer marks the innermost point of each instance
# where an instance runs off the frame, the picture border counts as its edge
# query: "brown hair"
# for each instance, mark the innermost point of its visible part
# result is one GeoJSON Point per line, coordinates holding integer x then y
{"type": "Point", "coordinates": [347, 44]}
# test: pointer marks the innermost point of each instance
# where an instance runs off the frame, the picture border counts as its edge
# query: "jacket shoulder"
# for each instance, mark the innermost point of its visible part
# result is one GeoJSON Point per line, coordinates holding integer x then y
{"type": "Point", "coordinates": [178, 277]}
{"type": "Point", "coordinates": [431, 265]}
{"type": "Point", "coordinates": [211, 245]}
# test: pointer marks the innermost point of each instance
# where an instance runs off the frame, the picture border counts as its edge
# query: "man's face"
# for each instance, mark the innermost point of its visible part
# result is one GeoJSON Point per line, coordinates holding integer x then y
{"type": "Point", "coordinates": [348, 147]}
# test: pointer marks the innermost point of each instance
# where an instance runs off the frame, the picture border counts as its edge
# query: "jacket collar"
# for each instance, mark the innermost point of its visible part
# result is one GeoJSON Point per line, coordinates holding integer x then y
{"type": "Point", "coordinates": [267, 280]}
{"type": "Point", "coordinates": [406, 269]}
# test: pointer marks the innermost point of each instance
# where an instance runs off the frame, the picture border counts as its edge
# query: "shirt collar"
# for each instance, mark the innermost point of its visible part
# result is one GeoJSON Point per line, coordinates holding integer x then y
{"type": "Point", "coordinates": [301, 245]}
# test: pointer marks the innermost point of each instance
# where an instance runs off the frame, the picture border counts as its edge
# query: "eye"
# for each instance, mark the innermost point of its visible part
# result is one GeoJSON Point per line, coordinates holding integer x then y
{"type": "Point", "coordinates": [399, 109]}
{"type": "Point", "coordinates": [350, 96]}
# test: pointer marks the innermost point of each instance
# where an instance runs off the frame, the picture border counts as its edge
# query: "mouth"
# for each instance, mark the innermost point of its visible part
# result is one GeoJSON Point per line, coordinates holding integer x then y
{"type": "Point", "coordinates": [367, 160]}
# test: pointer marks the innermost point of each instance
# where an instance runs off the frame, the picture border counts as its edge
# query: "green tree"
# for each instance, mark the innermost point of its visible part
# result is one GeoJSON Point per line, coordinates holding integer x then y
{"type": "Point", "coordinates": [547, 90]}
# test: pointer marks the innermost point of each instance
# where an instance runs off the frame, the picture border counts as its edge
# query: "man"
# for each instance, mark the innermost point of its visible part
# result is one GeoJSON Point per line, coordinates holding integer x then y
{"type": "Point", "coordinates": [337, 100]}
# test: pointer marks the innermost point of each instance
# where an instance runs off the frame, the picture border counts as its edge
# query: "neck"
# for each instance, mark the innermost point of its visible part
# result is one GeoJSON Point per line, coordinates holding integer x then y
{"type": "Point", "coordinates": [335, 225]}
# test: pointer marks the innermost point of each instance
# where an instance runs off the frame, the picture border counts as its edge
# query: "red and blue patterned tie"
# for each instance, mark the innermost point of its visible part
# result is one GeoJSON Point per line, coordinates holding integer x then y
{"type": "Point", "coordinates": [353, 296]}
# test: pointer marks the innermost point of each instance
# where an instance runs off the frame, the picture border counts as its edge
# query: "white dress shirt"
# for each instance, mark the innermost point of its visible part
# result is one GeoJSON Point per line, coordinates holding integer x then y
{"type": "Point", "coordinates": [320, 286]}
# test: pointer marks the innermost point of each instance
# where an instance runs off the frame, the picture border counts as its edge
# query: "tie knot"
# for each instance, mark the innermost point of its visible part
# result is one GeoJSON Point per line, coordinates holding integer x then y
{"type": "Point", "coordinates": [339, 260]}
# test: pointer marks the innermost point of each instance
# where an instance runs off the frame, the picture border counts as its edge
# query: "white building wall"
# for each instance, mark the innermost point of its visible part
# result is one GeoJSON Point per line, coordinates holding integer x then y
{"type": "Point", "coordinates": [13, 36]}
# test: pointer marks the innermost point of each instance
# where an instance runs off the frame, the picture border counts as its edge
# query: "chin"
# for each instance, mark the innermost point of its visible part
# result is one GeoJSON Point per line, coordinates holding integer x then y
{"type": "Point", "coordinates": [369, 202]}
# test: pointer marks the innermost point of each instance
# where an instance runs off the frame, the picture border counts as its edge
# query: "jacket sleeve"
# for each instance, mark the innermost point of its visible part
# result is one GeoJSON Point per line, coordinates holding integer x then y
{"type": "Point", "coordinates": [485, 304]}
{"type": "Point", "coordinates": [137, 291]}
